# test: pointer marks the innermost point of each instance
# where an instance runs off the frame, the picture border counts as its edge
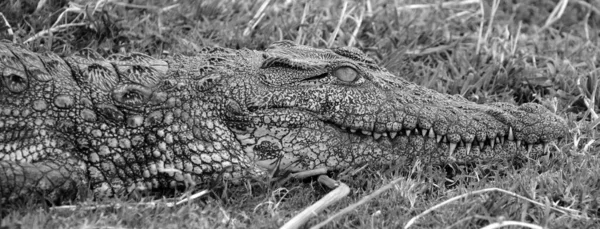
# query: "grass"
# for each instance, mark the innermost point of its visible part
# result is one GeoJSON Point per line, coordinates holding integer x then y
{"type": "Point", "coordinates": [516, 52]}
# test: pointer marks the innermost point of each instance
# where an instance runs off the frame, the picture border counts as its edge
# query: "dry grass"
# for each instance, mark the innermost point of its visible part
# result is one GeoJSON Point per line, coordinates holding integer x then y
{"type": "Point", "coordinates": [526, 51]}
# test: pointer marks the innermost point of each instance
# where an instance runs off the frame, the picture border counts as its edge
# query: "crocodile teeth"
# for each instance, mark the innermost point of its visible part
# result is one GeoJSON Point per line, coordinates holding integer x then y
{"type": "Point", "coordinates": [518, 142]}
{"type": "Point", "coordinates": [502, 140]}
{"type": "Point", "coordinates": [438, 138]}
{"type": "Point", "coordinates": [352, 130]}
{"type": "Point", "coordinates": [468, 147]}
{"type": "Point", "coordinates": [529, 147]}
{"type": "Point", "coordinates": [393, 135]}
{"type": "Point", "coordinates": [407, 133]}
{"type": "Point", "coordinates": [498, 140]}
{"type": "Point", "coordinates": [376, 135]}
{"type": "Point", "coordinates": [511, 136]}
{"type": "Point", "coordinates": [492, 143]}
{"type": "Point", "coordinates": [431, 133]}
{"type": "Point", "coordinates": [452, 148]}
{"type": "Point", "coordinates": [366, 132]}
{"type": "Point", "coordinates": [481, 144]}
{"type": "Point", "coordinates": [424, 132]}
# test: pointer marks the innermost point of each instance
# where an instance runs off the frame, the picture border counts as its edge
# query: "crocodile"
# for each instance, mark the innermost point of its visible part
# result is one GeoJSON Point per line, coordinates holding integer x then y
{"type": "Point", "coordinates": [114, 125]}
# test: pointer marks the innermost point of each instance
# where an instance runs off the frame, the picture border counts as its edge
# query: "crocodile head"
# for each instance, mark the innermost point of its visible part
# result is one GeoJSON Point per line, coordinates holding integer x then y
{"type": "Point", "coordinates": [136, 122]}
{"type": "Point", "coordinates": [300, 108]}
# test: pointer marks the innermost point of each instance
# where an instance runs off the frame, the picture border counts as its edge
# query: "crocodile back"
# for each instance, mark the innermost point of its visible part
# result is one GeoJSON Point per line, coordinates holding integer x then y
{"type": "Point", "coordinates": [130, 122]}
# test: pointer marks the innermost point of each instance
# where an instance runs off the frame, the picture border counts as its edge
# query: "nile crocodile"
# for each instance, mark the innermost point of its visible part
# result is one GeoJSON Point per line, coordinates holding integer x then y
{"type": "Point", "coordinates": [133, 122]}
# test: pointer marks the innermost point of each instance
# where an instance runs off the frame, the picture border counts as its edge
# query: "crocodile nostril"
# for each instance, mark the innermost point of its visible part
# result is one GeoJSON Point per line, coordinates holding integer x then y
{"type": "Point", "coordinates": [234, 107]}
{"type": "Point", "coordinates": [15, 82]}
{"type": "Point", "coordinates": [132, 95]}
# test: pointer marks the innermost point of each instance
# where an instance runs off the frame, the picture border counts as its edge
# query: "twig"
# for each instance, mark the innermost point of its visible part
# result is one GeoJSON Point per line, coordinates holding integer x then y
{"type": "Point", "coordinates": [359, 203]}
{"type": "Point", "coordinates": [309, 173]}
{"type": "Point", "coordinates": [332, 197]}
{"type": "Point", "coordinates": [303, 174]}
{"type": "Point", "coordinates": [330, 183]}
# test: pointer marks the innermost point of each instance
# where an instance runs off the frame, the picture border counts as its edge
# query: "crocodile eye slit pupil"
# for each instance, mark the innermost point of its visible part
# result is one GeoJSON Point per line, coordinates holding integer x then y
{"type": "Point", "coordinates": [346, 74]}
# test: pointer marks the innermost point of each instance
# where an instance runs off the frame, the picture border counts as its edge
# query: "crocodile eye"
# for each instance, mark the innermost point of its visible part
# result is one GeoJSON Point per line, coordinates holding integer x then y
{"type": "Point", "coordinates": [346, 74]}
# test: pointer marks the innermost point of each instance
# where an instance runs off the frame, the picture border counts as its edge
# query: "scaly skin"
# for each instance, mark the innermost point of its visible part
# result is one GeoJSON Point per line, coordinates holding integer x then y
{"type": "Point", "coordinates": [134, 122]}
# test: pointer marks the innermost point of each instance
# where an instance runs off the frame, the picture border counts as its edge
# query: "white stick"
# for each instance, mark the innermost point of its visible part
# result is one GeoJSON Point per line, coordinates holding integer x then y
{"type": "Point", "coordinates": [332, 197]}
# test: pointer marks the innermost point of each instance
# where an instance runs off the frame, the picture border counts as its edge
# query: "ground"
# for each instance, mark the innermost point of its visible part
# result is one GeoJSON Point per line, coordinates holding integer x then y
{"type": "Point", "coordinates": [516, 52]}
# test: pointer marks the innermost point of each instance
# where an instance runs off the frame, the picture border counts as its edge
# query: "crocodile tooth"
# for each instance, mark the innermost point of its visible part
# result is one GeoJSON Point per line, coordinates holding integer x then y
{"type": "Point", "coordinates": [468, 147]}
{"type": "Point", "coordinates": [376, 135]}
{"type": "Point", "coordinates": [366, 132]}
{"type": "Point", "coordinates": [497, 140]}
{"type": "Point", "coordinates": [431, 133]}
{"type": "Point", "coordinates": [502, 140]}
{"type": "Point", "coordinates": [529, 147]}
{"type": "Point", "coordinates": [481, 144]}
{"type": "Point", "coordinates": [445, 139]}
{"type": "Point", "coordinates": [439, 138]}
{"type": "Point", "coordinates": [352, 130]}
{"type": "Point", "coordinates": [452, 148]}
{"type": "Point", "coordinates": [393, 135]}
{"type": "Point", "coordinates": [511, 136]}
{"type": "Point", "coordinates": [407, 133]}
{"type": "Point", "coordinates": [518, 142]}
{"type": "Point", "coordinates": [492, 143]}
{"type": "Point", "coordinates": [423, 132]}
